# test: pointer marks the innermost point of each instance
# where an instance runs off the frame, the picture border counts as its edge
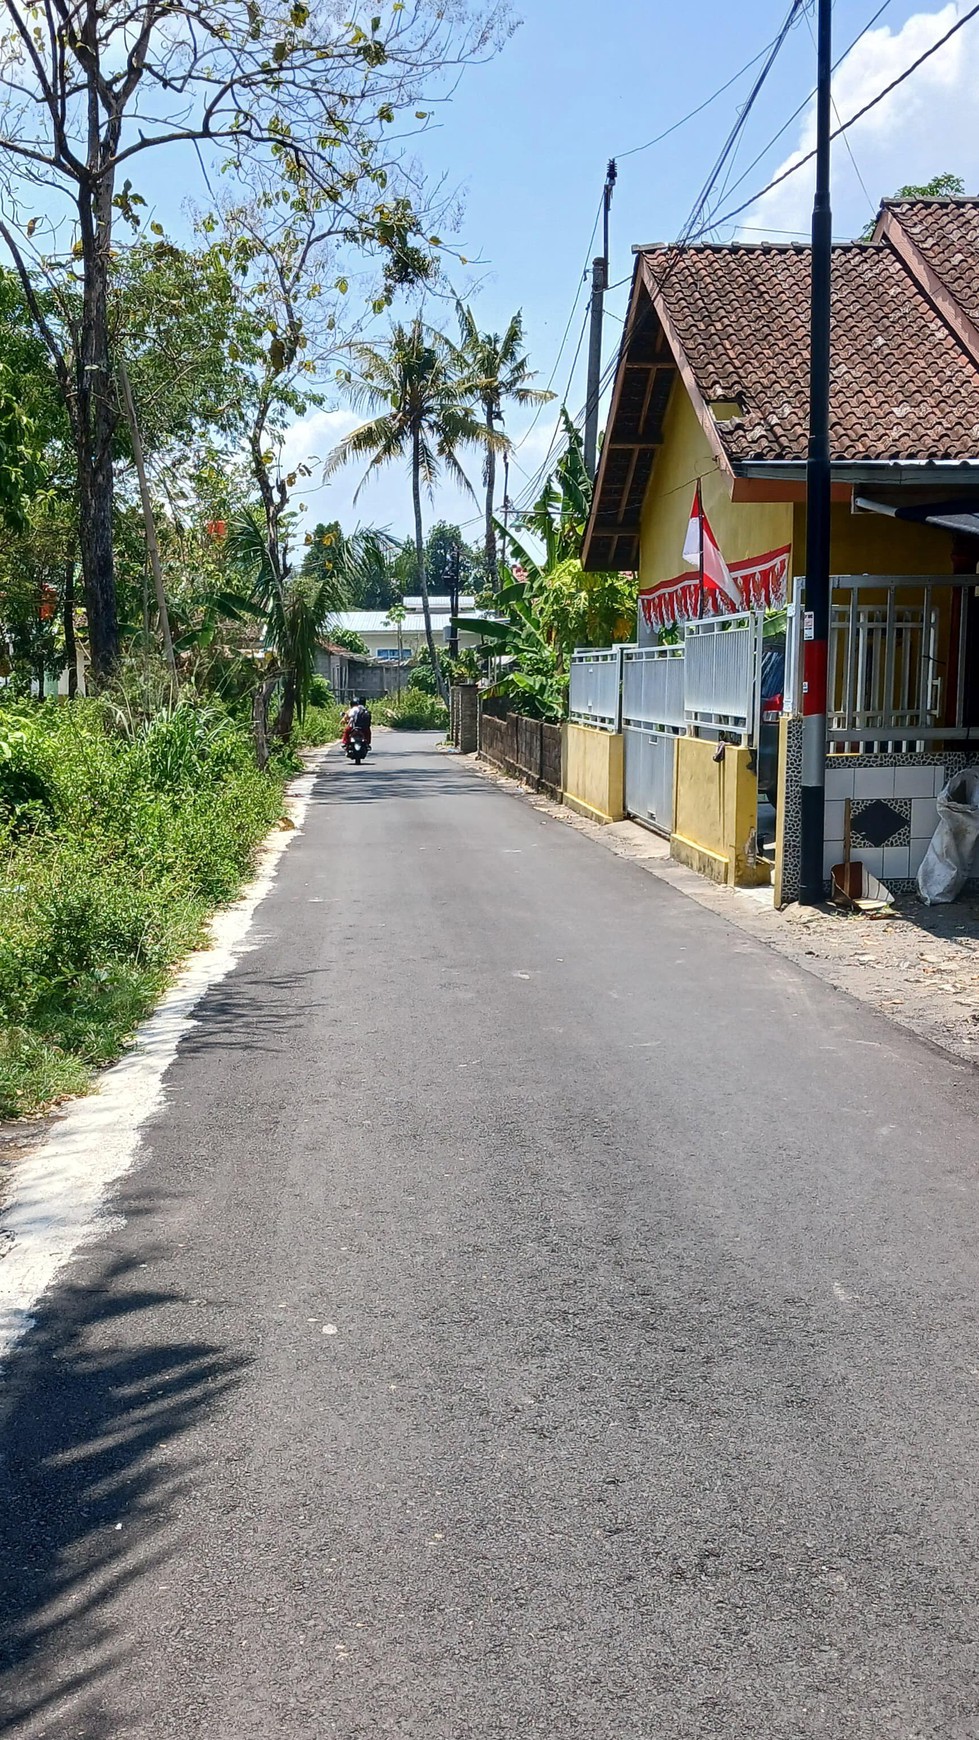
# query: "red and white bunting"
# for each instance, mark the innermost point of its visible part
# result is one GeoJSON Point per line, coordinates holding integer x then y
{"type": "Point", "coordinates": [760, 583]}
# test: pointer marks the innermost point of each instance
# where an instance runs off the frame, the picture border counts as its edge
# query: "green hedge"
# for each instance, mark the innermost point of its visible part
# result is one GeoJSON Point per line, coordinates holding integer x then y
{"type": "Point", "coordinates": [116, 844]}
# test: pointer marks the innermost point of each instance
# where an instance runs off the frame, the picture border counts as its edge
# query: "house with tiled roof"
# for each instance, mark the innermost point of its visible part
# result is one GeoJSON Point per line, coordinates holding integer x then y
{"type": "Point", "coordinates": [710, 395]}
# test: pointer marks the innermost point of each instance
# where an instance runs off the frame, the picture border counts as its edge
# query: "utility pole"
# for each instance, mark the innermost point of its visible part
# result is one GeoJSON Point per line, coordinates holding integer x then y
{"type": "Point", "coordinates": [454, 603]}
{"type": "Point", "coordinates": [599, 285]}
{"type": "Point", "coordinates": [816, 602]}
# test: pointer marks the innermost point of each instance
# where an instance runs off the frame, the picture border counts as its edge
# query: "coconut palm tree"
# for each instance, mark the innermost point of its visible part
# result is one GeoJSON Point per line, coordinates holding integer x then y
{"type": "Point", "coordinates": [501, 367]}
{"type": "Point", "coordinates": [422, 391]}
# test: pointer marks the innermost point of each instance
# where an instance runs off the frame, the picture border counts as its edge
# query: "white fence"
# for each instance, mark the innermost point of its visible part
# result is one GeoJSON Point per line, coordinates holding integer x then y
{"type": "Point", "coordinates": [596, 681]}
{"type": "Point", "coordinates": [652, 687]}
{"type": "Point", "coordinates": [706, 684]}
{"type": "Point", "coordinates": [722, 672]}
{"type": "Point", "coordinates": [886, 688]}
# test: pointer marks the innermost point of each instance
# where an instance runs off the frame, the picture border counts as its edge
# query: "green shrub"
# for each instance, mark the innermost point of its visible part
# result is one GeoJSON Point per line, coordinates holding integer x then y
{"type": "Point", "coordinates": [413, 711]}
{"type": "Point", "coordinates": [107, 880]}
{"type": "Point", "coordinates": [319, 725]}
{"type": "Point", "coordinates": [320, 693]}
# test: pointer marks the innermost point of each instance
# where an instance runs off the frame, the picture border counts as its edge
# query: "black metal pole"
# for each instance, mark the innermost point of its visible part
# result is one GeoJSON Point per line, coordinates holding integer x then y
{"type": "Point", "coordinates": [817, 590]}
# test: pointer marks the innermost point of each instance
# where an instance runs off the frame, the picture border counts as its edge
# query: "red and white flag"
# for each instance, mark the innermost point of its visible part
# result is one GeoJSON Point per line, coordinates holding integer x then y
{"type": "Point", "coordinates": [701, 542]}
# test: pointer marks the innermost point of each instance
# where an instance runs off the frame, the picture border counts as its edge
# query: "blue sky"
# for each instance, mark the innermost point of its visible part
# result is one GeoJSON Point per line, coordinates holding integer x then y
{"type": "Point", "coordinates": [527, 137]}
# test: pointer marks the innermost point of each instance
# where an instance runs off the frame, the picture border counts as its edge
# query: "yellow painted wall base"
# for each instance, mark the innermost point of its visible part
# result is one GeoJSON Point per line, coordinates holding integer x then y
{"type": "Point", "coordinates": [594, 773]}
{"type": "Point", "coordinates": [715, 809]}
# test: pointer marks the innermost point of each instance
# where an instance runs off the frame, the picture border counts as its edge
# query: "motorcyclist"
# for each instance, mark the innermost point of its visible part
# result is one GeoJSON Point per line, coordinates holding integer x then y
{"type": "Point", "coordinates": [358, 718]}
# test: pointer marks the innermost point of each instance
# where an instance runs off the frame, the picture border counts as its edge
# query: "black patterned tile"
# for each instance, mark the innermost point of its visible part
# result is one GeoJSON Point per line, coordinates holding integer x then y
{"type": "Point", "coordinates": [881, 822]}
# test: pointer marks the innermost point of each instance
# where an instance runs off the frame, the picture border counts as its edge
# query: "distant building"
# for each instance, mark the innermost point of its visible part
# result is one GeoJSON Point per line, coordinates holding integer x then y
{"type": "Point", "coordinates": [382, 638]}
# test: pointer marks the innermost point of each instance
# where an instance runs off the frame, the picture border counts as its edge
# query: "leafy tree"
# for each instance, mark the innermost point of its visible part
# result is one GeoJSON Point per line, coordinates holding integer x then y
{"type": "Point", "coordinates": [348, 638]}
{"type": "Point", "coordinates": [367, 559]}
{"type": "Point", "coordinates": [945, 186]}
{"type": "Point", "coordinates": [556, 606]}
{"type": "Point", "coordinates": [502, 370]}
{"type": "Point", "coordinates": [422, 395]}
{"type": "Point", "coordinates": [89, 87]}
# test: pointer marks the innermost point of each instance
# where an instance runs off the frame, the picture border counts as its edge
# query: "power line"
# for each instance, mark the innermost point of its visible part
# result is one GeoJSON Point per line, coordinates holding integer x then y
{"type": "Point", "coordinates": [735, 134]}
{"type": "Point", "coordinates": [535, 481]}
{"type": "Point", "coordinates": [742, 178]}
{"type": "Point", "coordinates": [682, 122]}
{"type": "Point", "coordinates": [865, 110]}
{"type": "Point", "coordinates": [849, 148]}
{"type": "Point", "coordinates": [567, 329]}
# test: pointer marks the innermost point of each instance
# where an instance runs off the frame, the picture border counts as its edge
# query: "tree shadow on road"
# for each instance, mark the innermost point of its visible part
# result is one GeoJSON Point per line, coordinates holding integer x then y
{"type": "Point", "coordinates": [375, 781]}
{"type": "Point", "coordinates": [91, 1412]}
{"type": "Point", "coordinates": [263, 1012]}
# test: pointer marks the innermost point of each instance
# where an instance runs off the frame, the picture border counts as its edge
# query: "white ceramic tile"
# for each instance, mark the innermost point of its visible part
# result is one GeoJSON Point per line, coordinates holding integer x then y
{"type": "Point", "coordinates": [874, 782]}
{"type": "Point", "coordinates": [839, 782]}
{"type": "Point", "coordinates": [940, 776]}
{"type": "Point", "coordinates": [924, 818]}
{"type": "Point", "coordinates": [872, 858]}
{"type": "Point", "coordinates": [832, 854]}
{"type": "Point", "coordinates": [918, 850]}
{"type": "Point", "coordinates": [833, 825]}
{"type": "Point", "coordinates": [896, 863]}
{"type": "Point", "coordinates": [915, 782]}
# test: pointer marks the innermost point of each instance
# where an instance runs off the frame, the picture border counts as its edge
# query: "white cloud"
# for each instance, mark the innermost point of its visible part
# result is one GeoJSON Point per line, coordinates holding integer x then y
{"type": "Point", "coordinates": [386, 499]}
{"type": "Point", "coordinates": [924, 128]}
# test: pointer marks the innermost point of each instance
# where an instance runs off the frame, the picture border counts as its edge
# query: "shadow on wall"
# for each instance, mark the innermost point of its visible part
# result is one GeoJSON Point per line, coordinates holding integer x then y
{"type": "Point", "coordinates": [91, 1422]}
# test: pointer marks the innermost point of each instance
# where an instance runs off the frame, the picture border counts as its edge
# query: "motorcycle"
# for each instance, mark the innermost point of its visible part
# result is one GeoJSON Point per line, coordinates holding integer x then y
{"type": "Point", "coordinates": [357, 746]}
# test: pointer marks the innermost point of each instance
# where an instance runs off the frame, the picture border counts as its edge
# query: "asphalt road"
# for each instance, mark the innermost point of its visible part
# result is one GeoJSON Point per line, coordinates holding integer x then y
{"type": "Point", "coordinates": [538, 1311]}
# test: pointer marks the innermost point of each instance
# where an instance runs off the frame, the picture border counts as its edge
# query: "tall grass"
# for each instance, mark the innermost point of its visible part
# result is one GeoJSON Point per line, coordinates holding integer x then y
{"type": "Point", "coordinates": [118, 838]}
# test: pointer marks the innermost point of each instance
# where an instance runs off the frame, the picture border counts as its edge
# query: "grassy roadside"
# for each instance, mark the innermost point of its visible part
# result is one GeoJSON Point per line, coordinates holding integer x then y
{"type": "Point", "coordinates": [117, 842]}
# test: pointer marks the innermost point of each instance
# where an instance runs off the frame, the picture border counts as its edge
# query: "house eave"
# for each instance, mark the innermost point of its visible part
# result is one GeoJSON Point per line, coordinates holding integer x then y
{"type": "Point", "coordinates": [851, 471]}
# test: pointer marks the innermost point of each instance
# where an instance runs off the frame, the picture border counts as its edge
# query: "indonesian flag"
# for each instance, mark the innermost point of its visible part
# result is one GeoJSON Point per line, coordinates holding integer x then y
{"type": "Point", "coordinates": [715, 570]}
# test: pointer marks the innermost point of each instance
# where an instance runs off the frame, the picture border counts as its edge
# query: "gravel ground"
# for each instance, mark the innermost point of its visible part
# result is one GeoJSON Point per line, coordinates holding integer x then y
{"type": "Point", "coordinates": [918, 965]}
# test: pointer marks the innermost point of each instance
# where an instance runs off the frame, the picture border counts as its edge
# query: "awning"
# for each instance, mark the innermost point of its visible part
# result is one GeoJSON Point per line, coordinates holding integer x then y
{"type": "Point", "coordinates": [953, 516]}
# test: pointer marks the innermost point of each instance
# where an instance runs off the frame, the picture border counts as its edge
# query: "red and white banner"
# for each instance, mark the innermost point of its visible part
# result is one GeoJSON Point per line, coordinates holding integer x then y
{"type": "Point", "coordinates": [759, 583]}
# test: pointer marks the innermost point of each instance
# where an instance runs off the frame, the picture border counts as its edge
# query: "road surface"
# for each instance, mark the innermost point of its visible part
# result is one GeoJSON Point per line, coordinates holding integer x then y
{"type": "Point", "coordinates": [539, 1311]}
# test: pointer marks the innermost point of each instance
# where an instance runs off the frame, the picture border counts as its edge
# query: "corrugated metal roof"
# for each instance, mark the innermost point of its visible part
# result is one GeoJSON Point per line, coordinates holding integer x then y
{"type": "Point", "coordinates": [438, 601]}
{"type": "Point", "coordinates": [375, 622]}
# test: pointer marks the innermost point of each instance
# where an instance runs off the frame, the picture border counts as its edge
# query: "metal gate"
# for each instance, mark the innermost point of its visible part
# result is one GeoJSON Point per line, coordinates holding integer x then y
{"type": "Point", "coordinates": [652, 719]}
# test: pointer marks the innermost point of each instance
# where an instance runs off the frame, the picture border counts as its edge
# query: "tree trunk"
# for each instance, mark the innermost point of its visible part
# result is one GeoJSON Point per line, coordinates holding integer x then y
{"type": "Point", "coordinates": [287, 712]}
{"type": "Point", "coordinates": [492, 577]}
{"type": "Point", "coordinates": [260, 719]}
{"type": "Point", "coordinates": [416, 497]}
{"type": "Point", "coordinates": [95, 424]}
{"type": "Point", "coordinates": [149, 523]}
{"type": "Point", "coordinates": [68, 623]}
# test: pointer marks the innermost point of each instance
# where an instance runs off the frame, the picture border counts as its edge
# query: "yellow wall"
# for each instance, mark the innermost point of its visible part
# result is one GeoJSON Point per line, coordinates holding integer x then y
{"type": "Point", "coordinates": [715, 809]}
{"type": "Point", "coordinates": [874, 544]}
{"type": "Point", "coordinates": [594, 777]}
{"type": "Point", "coordinates": [742, 529]}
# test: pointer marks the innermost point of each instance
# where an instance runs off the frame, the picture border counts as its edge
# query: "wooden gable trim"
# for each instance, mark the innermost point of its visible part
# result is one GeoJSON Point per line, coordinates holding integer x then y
{"type": "Point", "coordinates": [891, 230]}
{"type": "Point", "coordinates": [701, 409]}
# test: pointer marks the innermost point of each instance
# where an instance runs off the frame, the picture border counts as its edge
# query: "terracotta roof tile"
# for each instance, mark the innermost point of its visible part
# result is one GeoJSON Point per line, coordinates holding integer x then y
{"type": "Point", "coordinates": [902, 387]}
{"type": "Point", "coordinates": [946, 233]}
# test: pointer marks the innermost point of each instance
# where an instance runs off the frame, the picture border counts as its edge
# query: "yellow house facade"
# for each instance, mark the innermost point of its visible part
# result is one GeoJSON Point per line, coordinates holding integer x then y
{"type": "Point", "coordinates": [710, 393]}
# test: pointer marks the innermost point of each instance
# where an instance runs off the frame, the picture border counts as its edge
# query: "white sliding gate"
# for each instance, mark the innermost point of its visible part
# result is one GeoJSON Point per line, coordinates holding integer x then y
{"type": "Point", "coordinates": [652, 719]}
{"type": "Point", "coordinates": [707, 685]}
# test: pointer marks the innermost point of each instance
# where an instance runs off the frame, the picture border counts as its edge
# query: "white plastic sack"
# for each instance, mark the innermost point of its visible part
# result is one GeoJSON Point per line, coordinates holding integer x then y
{"type": "Point", "coordinates": [948, 860]}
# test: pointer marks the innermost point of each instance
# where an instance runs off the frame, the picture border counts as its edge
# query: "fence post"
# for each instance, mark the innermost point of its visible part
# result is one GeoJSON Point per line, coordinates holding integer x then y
{"type": "Point", "coordinates": [466, 737]}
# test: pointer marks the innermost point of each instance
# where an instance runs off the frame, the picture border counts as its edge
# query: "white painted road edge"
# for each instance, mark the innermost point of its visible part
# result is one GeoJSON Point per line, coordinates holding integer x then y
{"type": "Point", "coordinates": [58, 1194]}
